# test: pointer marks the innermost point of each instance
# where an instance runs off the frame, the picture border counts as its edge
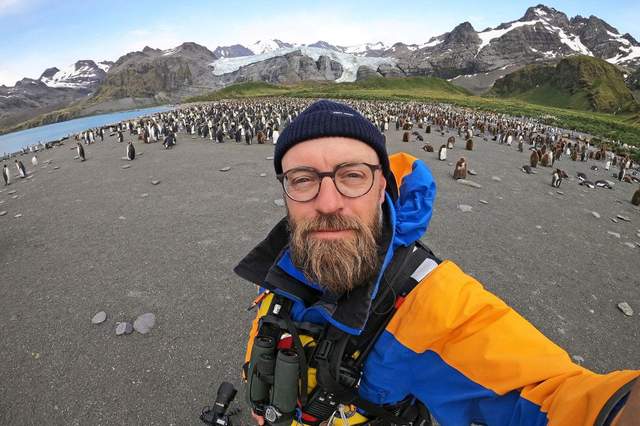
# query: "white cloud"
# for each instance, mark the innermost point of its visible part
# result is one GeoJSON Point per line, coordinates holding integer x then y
{"type": "Point", "coordinates": [14, 6]}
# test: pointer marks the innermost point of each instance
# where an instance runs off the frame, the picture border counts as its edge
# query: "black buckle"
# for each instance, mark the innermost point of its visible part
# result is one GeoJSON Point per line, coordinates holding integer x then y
{"type": "Point", "coordinates": [323, 350]}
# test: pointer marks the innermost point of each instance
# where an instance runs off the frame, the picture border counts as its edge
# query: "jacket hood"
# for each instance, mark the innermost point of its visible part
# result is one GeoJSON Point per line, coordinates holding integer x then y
{"type": "Point", "coordinates": [406, 219]}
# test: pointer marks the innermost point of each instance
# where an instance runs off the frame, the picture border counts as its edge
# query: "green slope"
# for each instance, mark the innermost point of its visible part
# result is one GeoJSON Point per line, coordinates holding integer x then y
{"type": "Point", "coordinates": [577, 82]}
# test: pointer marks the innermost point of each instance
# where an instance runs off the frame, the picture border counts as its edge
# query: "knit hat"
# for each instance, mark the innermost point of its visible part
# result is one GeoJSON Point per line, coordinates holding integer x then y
{"type": "Point", "coordinates": [327, 118]}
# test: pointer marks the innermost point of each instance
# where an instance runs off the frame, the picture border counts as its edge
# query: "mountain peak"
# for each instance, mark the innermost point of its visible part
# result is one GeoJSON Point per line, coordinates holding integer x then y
{"type": "Point", "coordinates": [546, 13]}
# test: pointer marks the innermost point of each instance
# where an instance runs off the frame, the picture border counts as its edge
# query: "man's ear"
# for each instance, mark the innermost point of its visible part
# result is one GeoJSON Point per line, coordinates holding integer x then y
{"type": "Point", "coordinates": [382, 186]}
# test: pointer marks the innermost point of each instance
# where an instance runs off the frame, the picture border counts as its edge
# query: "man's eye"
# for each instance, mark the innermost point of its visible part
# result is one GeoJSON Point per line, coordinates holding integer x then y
{"type": "Point", "coordinates": [300, 180]}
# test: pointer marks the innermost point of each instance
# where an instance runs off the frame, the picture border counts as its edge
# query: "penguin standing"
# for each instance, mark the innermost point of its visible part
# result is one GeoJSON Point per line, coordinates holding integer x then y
{"type": "Point", "coordinates": [635, 200]}
{"type": "Point", "coordinates": [21, 170]}
{"type": "Point", "coordinates": [80, 150]}
{"type": "Point", "coordinates": [34, 160]}
{"type": "Point", "coordinates": [5, 175]}
{"type": "Point", "coordinates": [442, 153]}
{"type": "Point", "coordinates": [131, 151]}
{"type": "Point", "coordinates": [556, 179]}
{"type": "Point", "coordinates": [460, 172]}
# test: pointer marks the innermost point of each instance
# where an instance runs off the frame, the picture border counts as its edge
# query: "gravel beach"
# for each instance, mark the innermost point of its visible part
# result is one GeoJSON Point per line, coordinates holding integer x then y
{"type": "Point", "coordinates": [94, 236]}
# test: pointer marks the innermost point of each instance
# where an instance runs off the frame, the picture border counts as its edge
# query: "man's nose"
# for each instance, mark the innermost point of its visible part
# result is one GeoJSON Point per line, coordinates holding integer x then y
{"type": "Point", "coordinates": [329, 200]}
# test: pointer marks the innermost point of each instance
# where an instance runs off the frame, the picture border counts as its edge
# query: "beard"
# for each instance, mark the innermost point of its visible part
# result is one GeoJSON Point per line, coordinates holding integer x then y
{"type": "Point", "coordinates": [338, 265]}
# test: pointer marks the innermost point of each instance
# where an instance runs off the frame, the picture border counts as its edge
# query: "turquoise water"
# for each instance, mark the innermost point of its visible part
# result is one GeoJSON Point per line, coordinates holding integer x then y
{"type": "Point", "coordinates": [12, 142]}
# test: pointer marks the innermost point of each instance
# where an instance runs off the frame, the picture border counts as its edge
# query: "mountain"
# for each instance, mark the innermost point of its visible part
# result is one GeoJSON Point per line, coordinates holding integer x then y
{"type": "Point", "coordinates": [577, 82]}
{"type": "Point", "coordinates": [470, 58]}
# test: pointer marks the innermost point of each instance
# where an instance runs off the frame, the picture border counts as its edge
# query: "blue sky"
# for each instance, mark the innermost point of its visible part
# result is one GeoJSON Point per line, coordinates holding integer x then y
{"type": "Point", "coordinates": [37, 34]}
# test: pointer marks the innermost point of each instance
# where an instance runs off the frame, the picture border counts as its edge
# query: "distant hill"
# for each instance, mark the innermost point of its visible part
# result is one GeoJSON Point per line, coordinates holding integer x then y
{"type": "Point", "coordinates": [577, 82]}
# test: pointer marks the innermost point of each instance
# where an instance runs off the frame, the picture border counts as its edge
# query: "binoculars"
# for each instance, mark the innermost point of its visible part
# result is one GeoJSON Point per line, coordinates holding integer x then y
{"type": "Point", "coordinates": [273, 381]}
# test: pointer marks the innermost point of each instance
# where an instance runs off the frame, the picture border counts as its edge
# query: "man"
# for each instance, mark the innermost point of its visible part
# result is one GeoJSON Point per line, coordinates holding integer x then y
{"type": "Point", "coordinates": [449, 345]}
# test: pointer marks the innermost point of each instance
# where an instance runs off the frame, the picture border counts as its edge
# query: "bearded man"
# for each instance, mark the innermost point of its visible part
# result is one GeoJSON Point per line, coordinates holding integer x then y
{"type": "Point", "coordinates": [349, 245]}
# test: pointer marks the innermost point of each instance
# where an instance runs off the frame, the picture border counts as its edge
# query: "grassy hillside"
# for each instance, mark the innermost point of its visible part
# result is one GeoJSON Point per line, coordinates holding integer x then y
{"type": "Point", "coordinates": [577, 82]}
{"type": "Point", "coordinates": [625, 127]}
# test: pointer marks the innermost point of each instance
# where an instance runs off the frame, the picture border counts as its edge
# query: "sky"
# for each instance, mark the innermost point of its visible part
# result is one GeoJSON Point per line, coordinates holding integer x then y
{"type": "Point", "coordinates": [38, 34]}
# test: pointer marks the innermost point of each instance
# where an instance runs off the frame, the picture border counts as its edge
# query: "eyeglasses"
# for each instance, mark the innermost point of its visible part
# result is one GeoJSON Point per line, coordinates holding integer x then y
{"type": "Point", "coordinates": [352, 180]}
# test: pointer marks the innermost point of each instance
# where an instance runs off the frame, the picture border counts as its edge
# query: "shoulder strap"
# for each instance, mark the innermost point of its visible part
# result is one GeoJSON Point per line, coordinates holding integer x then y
{"type": "Point", "coordinates": [337, 370]}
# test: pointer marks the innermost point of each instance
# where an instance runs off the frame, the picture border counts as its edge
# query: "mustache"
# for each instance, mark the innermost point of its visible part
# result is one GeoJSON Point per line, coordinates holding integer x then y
{"type": "Point", "coordinates": [330, 222]}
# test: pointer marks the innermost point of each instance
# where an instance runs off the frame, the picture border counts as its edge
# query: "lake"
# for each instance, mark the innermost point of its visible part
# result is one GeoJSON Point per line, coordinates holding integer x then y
{"type": "Point", "coordinates": [12, 142]}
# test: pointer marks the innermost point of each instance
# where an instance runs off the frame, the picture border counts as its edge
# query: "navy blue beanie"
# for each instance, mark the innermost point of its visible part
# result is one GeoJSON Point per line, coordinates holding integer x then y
{"type": "Point", "coordinates": [327, 118]}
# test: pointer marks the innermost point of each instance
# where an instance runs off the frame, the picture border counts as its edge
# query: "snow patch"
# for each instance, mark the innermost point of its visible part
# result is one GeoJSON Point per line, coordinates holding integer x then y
{"type": "Point", "coordinates": [263, 46]}
{"type": "Point", "coordinates": [360, 49]}
{"type": "Point", "coordinates": [67, 77]}
{"type": "Point", "coordinates": [350, 62]}
{"type": "Point", "coordinates": [626, 53]}
{"type": "Point", "coordinates": [103, 66]}
{"type": "Point", "coordinates": [431, 43]}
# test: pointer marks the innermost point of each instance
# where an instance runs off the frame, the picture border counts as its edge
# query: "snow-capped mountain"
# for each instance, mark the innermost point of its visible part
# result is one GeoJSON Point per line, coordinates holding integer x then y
{"type": "Point", "coordinates": [84, 74]}
{"type": "Point", "coordinates": [265, 46]}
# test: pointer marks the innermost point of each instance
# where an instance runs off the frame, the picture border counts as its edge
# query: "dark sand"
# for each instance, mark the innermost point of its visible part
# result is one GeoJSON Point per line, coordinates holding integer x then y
{"type": "Point", "coordinates": [71, 255]}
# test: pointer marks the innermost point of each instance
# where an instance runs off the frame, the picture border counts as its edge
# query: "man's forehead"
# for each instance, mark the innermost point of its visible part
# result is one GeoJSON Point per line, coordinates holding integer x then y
{"type": "Point", "coordinates": [328, 151]}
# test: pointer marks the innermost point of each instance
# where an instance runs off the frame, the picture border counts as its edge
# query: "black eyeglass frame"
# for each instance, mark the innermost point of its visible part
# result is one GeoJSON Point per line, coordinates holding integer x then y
{"type": "Point", "coordinates": [281, 177]}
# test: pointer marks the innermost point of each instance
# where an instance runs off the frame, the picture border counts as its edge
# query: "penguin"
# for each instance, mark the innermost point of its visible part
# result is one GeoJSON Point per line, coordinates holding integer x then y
{"type": "Point", "coordinates": [594, 168]}
{"type": "Point", "coordinates": [581, 176]}
{"type": "Point", "coordinates": [603, 184]}
{"type": "Point", "coordinates": [22, 172]}
{"type": "Point", "coordinates": [635, 200]}
{"type": "Point", "coordinates": [556, 179]}
{"type": "Point", "coordinates": [588, 184]}
{"type": "Point", "coordinates": [34, 160]}
{"type": "Point", "coordinates": [417, 135]}
{"type": "Point", "coordinates": [469, 145]}
{"type": "Point", "coordinates": [460, 171]}
{"type": "Point", "coordinates": [5, 175]}
{"type": "Point", "coordinates": [428, 129]}
{"type": "Point", "coordinates": [131, 151]}
{"type": "Point", "coordinates": [534, 159]}
{"type": "Point", "coordinates": [607, 165]}
{"type": "Point", "coordinates": [451, 142]}
{"type": "Point", "coordinates": [527, 169]}
{"type": "Point", "coordinates": [80, 150]}
{"type": "Point", "coordinates": [405, 137]}
{"type": "Point", "coordinates": [442, 153]}
{"type": "Point", "coordinates": [427, 147]}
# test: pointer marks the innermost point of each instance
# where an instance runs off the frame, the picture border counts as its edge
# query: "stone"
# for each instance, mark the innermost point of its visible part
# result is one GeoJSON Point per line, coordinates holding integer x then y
{"type": "Point", "coordinates": [126, 166]}
{"type": "Point", "coordinates": [538, 227]}
{"type": "Point", "coordinates": [560, 192]}
{"type": "Point", "coordinates": [630, 245]}
{"type": "Point", "coordinates": [625, 218]}
{"type": "Point", "coordinates": [55, 167]}
{"type": "Point", "coordinates": [144, 195]}
{"type": "Point", "coordinates": [451, 164]}
{"type": "Point", "coordinates": [3, 212]}
{"type": "Point", "coordinates": [469, 183]}
{"type": "Point", "coordinates": [465, 208]}
{"type": "Point", "coordinates": [99, 318]}
{"type": "Point", "coordinates": [596, 215]}
{"type": "Point", "coordinates": [121, 217]}
{"type": "Point", "coordinates": [14, 197]}
{"type": "Point", "coordinates": [155, 182]}
{"type": "Point", "coordinates": [225, 169]}
{"type": "Point", "coordinates": [613, 234]}
{"type": "Point", "coordinates": [472, 172]}
{"type": "Point", "coordinates": [18, 215]}
{"type": "Point", "coordinates": [263, 174]}
{"type": "Point", "coordinates": [279, 202]}
{"type": "Point", "coordinates": [123, 328]}
{"type": "Point", "coordinates": [144, 323]}
{"type": "Point", "coordinates": [578, 359]}
{"type": "Point", "coordinates": [625, 308]}
{"type": "Point", "coordinates": [484, 202]}
{"type": "Point", "coordinates": [613, 220]}
{"type": "Point", "coordinates": [13, 191]}
{"type": "Point", "coordinates": [496, 178]}
{"type": "Point", "coordinates": [269, 158]}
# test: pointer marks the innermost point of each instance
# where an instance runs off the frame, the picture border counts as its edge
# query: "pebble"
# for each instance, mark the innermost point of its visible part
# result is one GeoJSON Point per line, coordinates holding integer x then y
{"type": "Point", "coordinates": [560, 192]}
{"type": "Point", "coordinates": [625, 218]}
{"type": "Point", "coordinates": [578, 359]}
{"type": "Point", "coordinates": [144, 323]}
{"type": "Point", "coordinates": [630, 245]}
{"type": "Point", "coordinates": [469, 183]}
{"type": "Point", "coordinates": [155, 182]}
{"type": "Point", "coordinates": [123, 328]}
{"type": "Point", "coordinates": [122, 218]}
{"type": "Point", "coordinates": [126, 166]}
{"type": "Point", "coordinates": [99, 318]}
{"type": "Point", "coordinates": [496, 178]}
{"type": "Point", "coordinates": [144, 195]}
{"type": "Point", "coordinates": [225, 169]}
{"type": "Point", "coordinates": [3, 212]}
{"type": "Point", "coordinates": [55, 167]}
{"type": "Point", "coordinates": [465, 208]}
{"type": "Point", "coordinates": [14, 197]}
{"type": "Point", "coordinates": [613, 220]}
{"type": "Point", "coordinates": [451, 164]}
{"type": "Point", "coordinates": [596, 215]}
{"type": "Point", "coordinates": [538, 227]}
{"type": "Point", "coordinates": [613, 234]}
{"type": "Point", "coordinates": [472, 172]}
{"type": "Point", "coordinates": [625, 308]}
{"type": "Point", "coordinates": [18, 215]}
{"type": "Point", "coordinates": [14, 317]}
{"type": "Point", "coordinates": [13, 191]}
{"type": "Point", "coordinates": [263, 174]}
{"type": "Point", "coordinates": [484, 201]}
{"type": "Point", "coordinates": [279, 202]}
{"type": "Point", "coordinates": [269, 158]}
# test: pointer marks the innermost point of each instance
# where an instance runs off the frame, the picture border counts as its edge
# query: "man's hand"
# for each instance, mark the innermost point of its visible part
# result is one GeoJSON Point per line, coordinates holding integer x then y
{"type": "Point", "coordinates": [631, 411]}
{"type": "Point", "coordinates": [258, 419]}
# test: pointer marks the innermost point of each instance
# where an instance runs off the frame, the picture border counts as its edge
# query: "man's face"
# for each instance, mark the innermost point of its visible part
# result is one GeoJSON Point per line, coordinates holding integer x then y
{"type": "Point", "coordinates": [333, 238]}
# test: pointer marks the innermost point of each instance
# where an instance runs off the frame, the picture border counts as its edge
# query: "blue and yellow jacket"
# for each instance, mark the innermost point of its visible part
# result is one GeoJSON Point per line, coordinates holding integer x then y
{"type": "Point", "coordinates": [456, 347]}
